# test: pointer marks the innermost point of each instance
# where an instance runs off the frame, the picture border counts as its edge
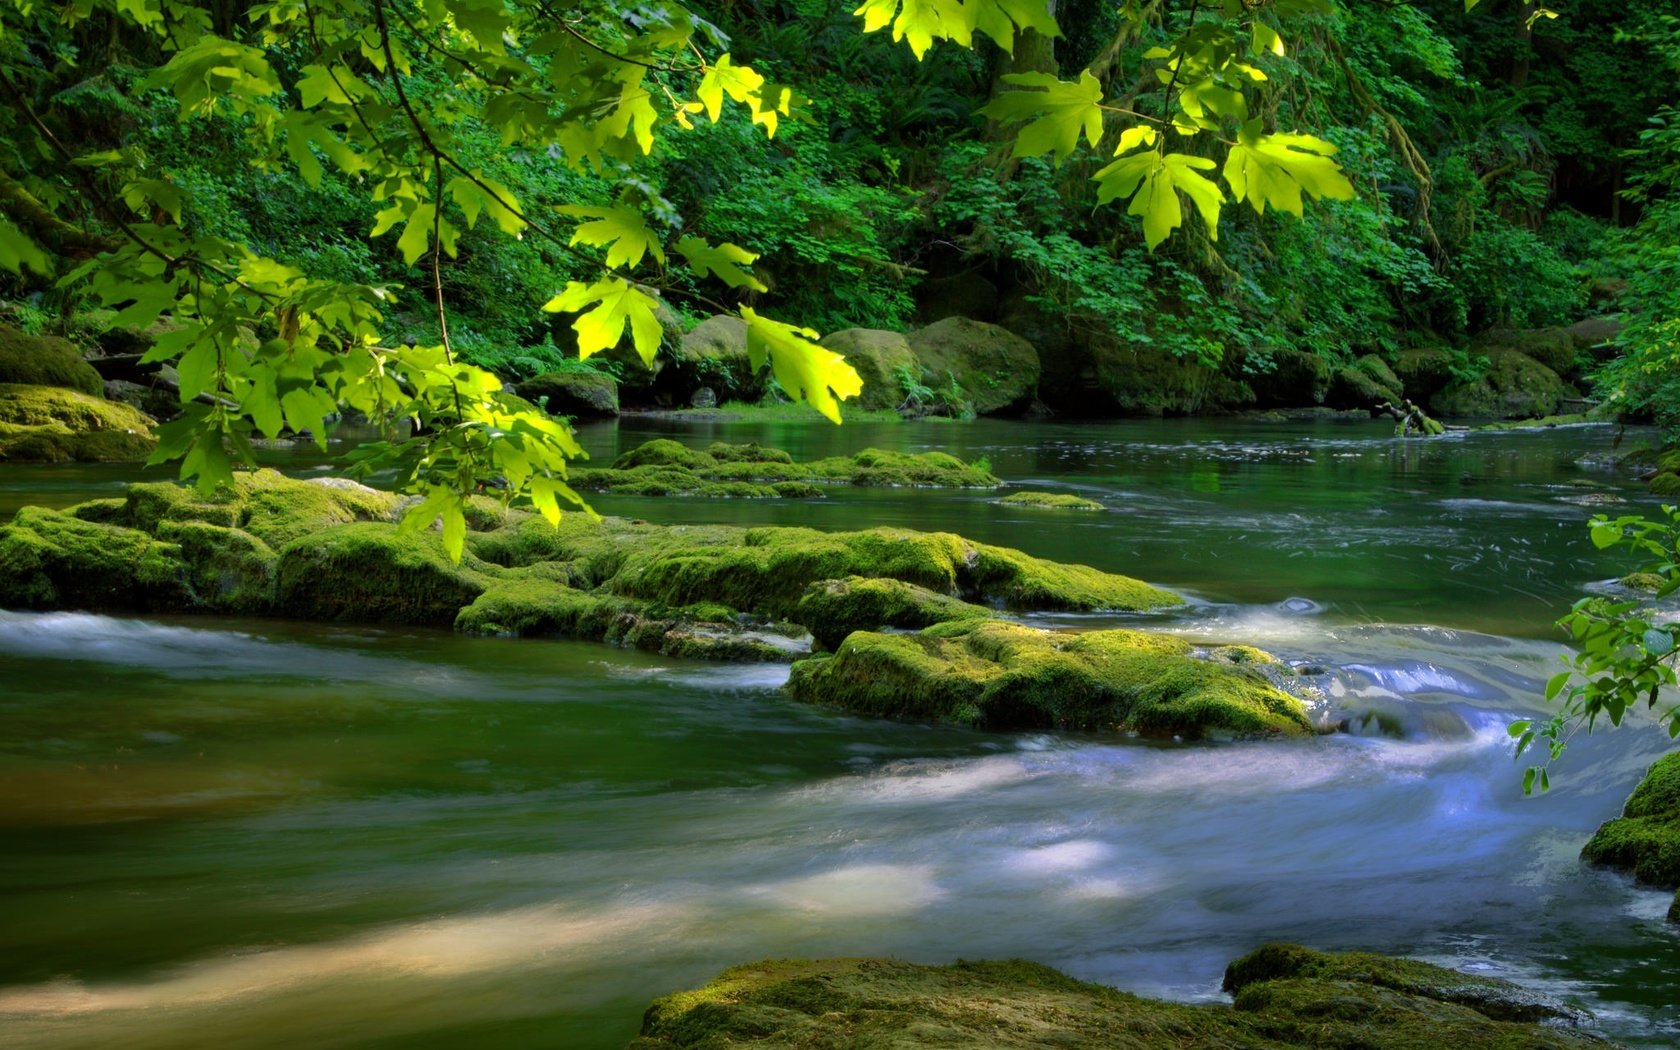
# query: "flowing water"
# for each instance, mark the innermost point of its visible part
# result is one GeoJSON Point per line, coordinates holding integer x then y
{"type": "Point", "coordinates": [269, 834]}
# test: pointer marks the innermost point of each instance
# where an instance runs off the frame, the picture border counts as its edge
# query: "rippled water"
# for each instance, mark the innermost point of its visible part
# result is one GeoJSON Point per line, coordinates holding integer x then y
{"type": "Point", "coordinates": [271, 834]}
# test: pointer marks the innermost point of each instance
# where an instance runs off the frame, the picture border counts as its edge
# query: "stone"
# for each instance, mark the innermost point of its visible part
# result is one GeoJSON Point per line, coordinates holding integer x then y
{"type": "Point", "coordinates": [881, 358]}
{"type": "Point", "coordinates": [996, 370]}
{"type": "Point", "coordinates": [1514, 386]}
{"type": "Point", "coordinates": [579, 393]}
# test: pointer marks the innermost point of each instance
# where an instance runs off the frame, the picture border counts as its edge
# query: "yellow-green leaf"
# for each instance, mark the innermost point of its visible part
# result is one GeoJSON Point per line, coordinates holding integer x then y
{"type": "Point", "coordinates": [808, 372]}
{"type": "Point", "coordinates": [723, 261]}
{"type": "Point", "coordinates": [417, 234]}
{"type": "Point", "coordinates": [1153, 181]}
{"type": "Point", "coordinates": [616, 303]}
{"type": "Point", "coordinates": [622, 229]}
{"type": "Point", "coordinates": [1056, 112]}
{"type": "Point", "coordinates": [1274, 170]}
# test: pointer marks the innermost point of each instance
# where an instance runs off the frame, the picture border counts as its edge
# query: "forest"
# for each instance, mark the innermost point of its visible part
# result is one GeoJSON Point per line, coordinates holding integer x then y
{"type": "Point", "coordinates": [511, 510]}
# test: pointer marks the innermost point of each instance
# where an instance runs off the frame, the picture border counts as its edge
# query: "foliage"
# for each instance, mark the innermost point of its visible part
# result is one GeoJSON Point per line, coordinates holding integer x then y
{"type": "Point", "coordinates": [1625, 657]}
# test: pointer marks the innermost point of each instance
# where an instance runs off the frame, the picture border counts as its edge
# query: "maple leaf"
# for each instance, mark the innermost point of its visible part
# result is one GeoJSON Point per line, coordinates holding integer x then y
{"type": "Point", "coordinates": [1276, 169]}
{"type": "Point", "coordinates": [1153, 181]}
{"type": "Point", "coordinates": [617, 302]}
{"type": "Point", "coordinates": [723, 261]}
{"type": "Point", "coordinates": [1056, 113]}
{"type": "Point", "coordinates": [810, 373]}
{"type": "Point", "coordinates": [623, 228]}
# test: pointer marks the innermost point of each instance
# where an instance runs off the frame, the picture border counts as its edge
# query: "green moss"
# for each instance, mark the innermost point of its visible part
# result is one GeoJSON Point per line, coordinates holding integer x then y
{"type": "Point", "coordinates": [42, 360]}
{"type": "Point", "coordinates": [1645, 839]}
{"type": "Point", "coordinates": [833, 609]}
{"type": "Point", "coordinates": [112, 511]}
{"type": "Point", "coordinates": [1021, 581]}
{"type": "Point", "coordinates": [1246, 655]}
{"type": "Point", "coordinates": [1515, 386]}
{"type": "Point", "coordinates": [375, 573]}
{"type": "Point", "coordinates": [274, 508]}
{"type": "Point", "coordinates": [664, 467]}
{"type": "Point", "coordinates": [47, 424]}
{"type": "Point", "coordinates": [1648, 582]}
{"type": "Point", "coordinates": [1666, 483]}
{"type": "Point", "coordinates": [50, 560]}
{"type": "Point", "coordinates": [1048, 501]}
{"type": "Point", "coordinates": [994, 368]}
{"type": "Point", "coordinates": [228, 570]}
{"type": "Point", "coordinates": [1543, 422]}
{"type": "Point", "coordinates": [1489, 996]}
{"type": "Point", "coordinates": [883, 1004]}
{"type": "Point", "coordinates": [1005, 676]}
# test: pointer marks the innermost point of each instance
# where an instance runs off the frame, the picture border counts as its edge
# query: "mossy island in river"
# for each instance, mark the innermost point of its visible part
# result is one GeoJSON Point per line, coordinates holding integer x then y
{"type": "Point", "coordinates": [1285, 996]}
{"type": "Point", "coordinates": [663, 467]}
{"type": "Point", "coordinates": [329, 549]}
{"type": "Point", "coordinates": [1645, 839]}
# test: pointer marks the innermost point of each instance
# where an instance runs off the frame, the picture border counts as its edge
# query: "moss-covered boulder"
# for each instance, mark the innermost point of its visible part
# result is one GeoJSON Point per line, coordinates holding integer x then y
{"type": "Point", "coordinates": [1645, 839]}
{"type": "Point", "coordinates": [996, 370]}
{"type": "Point", "coordinates": [54, 560]}
{"type": "Point", "coordinates": [579, 393]}
{"type": "Point", "coordinates": [663, 467]}
{"type": "Point", "coordinates": [1001, 675]}
{"type": "Point", "coordinates": [1148, 381]}
{"type": "Point", "coordinates": [886, 1004]}
{"type": "Point", "coordinates": [265, 503]}
{"type": "Point", "coordinates": [1553, 347]}
{"type": "Point", "coordinates": [833, 609]}
{"type": "Point", "coordinates": [714, 354]}
{"type": "Point", "coordinates": [225, 569]}
{"type": "Point", "coordinates": [42, 360]}
{"type": "Point", "coordinates": [1048, 501]}
{"type": "Point", "coordinates": [1515, 386]}
{"type": "Point", "coordinates": [53, 424]}
{"type": "Point", "coordinates": [880, 357]}
{"type": "Point", "coordinates": [1594, 333]}
{"type": "Point", "coordinates": [371, 572]}
{"type": "Point", "coordinates": [1424, 371]}
{"type": "Point", "coordinates": [1366, 383]}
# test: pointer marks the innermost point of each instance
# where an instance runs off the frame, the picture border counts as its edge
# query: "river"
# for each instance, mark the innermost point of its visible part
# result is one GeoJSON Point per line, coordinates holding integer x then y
{"type": "Point", "coordinates": [268, 834]}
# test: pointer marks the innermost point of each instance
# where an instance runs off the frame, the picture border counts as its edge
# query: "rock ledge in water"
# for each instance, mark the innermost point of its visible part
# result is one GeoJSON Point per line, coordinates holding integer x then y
{"type": "Point", "coordinates": [664, 467]}
{"type": "Point", "coordinates": [1645, 839]}
{"type": "Point", "coordinates": [1317, 1000]}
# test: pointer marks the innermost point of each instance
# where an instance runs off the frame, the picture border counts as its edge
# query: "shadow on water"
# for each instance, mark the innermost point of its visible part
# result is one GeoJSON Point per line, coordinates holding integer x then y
{"type": "Point", "coordinates": [273, 834]}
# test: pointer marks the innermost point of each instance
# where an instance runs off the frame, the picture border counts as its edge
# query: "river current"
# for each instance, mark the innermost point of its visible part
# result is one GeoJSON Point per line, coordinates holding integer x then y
{"type": "Point", "coordinates": [272, 834]}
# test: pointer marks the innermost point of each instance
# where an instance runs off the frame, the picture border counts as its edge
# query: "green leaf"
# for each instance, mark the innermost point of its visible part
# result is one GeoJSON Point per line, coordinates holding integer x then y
{"type": "Point", "coordinates": [417, 234]}
{"type": "Point", "coordinates": [1519, 727]}
{"type": "Point", "coordinates": [1276, 169]}
{"type": "Point", "coordinates": [723, 261]}
{"type": "Point", "coordinates": [624, 229]}
{"type": "Point", "coordinates": [1056, 112]}
{"type": "Point", "coordinates": [1658, 643]}
{"type": "Point", "coordinates": [1605, 536]}
{"type": "Point", "coordinates": [808, 372]}
{"type": "Point", "coordinates": [1154, 181]}
{"type": "Point", "coordinates": [18, 251]}
{"type": "Point", "coordinates": [616, 303]}
{"type": "Point", "coordinates": [1555, 684]}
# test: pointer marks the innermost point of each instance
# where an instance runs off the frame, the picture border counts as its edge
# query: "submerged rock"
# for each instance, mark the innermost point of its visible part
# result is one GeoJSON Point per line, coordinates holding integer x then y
{"type": "Point", "coordinates": [1001, 675]}
{"type": "Point", "coordinates": [55, 424]}
{"type": "Point", "coordinates": [1645, 839]}
{"type": "Point", "coordinates": [1286, 997]}
{"type": "Point", "coordinates": [1048, 501]}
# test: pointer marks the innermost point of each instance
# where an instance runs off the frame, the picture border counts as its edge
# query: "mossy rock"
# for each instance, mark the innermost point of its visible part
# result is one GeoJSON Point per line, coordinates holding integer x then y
{"type": "Point", "coordinates": [1048, 501]}
{"type": "Point", "coordinates": [227, 570]}
{"type": "Point", "coordinates": [886, 1004]}
{"type": "Point", "coordinates": [663, 467]}
{"type": "Point", "coordinates": [44, 360]}
{"type": "Point", "coordinates": [1424, 372]}
{"type": "Point", "coordinates": [833, 609]}
{"type": "Point", "coordinates": [996, 370]}
{"type": "Point", "coordinates": [999, 675]}
{"type": "Point", "coordinates": [1147, 381]}
{"type": "Point", "coordinates": [54, 560]}
{"type": "Point", "coordinates": [51, 424]}
{"type": "Point", "coordinates": [1494, 998]}
{"type": "Point", "coordinates": [1515, 386]}
{"type": "Point", "coordinates": [371, 572]}
{"type": "Point", "coordinates": [1553, 347]}
{"type": "Point", "coordinates": [1665, 483]}
{"type": "Point", "coordinates": [577, 393]}
{"type": "Point", "coordinates": [714, 354]}
{"type": "Point", "coordinates": [265, 503]}
{"type": "Point", "coordinates": [1288, 378]}
{"type": "Point", "coordinates": [1645, 839]}
{"type": "Point", "coordinates": [879, 356]}
{"type": "Point", "coordinates": [1367, 383]}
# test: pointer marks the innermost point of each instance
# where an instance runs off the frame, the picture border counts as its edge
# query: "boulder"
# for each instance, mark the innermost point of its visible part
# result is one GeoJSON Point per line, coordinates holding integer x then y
{"type": "Point", "coordinates": [1286, 998]}
{"type": "Point", "coordinates": [998, 675]}
{"type": "Point", "coordinates": [1553, 347]}
{"type": "Point", "coordinates": [55, 424]}
{"type": "Point", "coordinates": [1594, 332]}
{"type": "Point", "coordinates": [879, 357]}
{"type": "Point", "coordinates": [1645, 839]}
{"type": "Point", "coordinates": [579, 393]}
{"type": "Point", "coordinates": [1367, 383]}
{"type": "Point", "coordinates": [714, 354]}
{"type": "Point", "coordinates": [41, 360]}
{"type": "Point", "coordinates": [1287, 378]}
{"type": "Point", "coordinates": [54, 560]}
{"type": "Point", "coordinates": [1142, 380]}
{"type": "Point", "coordinates": [1424, 371]}
{"type": "Point", "coordinates": [996, 370]}
{"type": "Point", "coordinates": [1515, 386]}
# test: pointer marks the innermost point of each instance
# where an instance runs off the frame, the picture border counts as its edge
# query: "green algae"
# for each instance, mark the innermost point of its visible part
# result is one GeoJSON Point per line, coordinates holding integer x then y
{"type": "Point", "coordinates": [1000, 675]}
{"type": "Point", "coordinates": [887, 1004]}
{"type": "Point", "coordinates": [663, 467]}
{"type": "Point", "coordinates": [49, 424]}
{"type": "Point", "coordinates": [1048, 501]}
{"type": "Point", "coordinates": [1645, 839]}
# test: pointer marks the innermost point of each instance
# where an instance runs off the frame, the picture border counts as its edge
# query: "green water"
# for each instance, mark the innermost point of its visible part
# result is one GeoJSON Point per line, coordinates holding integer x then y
{"type": "Point", "coordinates": [272, 834]}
